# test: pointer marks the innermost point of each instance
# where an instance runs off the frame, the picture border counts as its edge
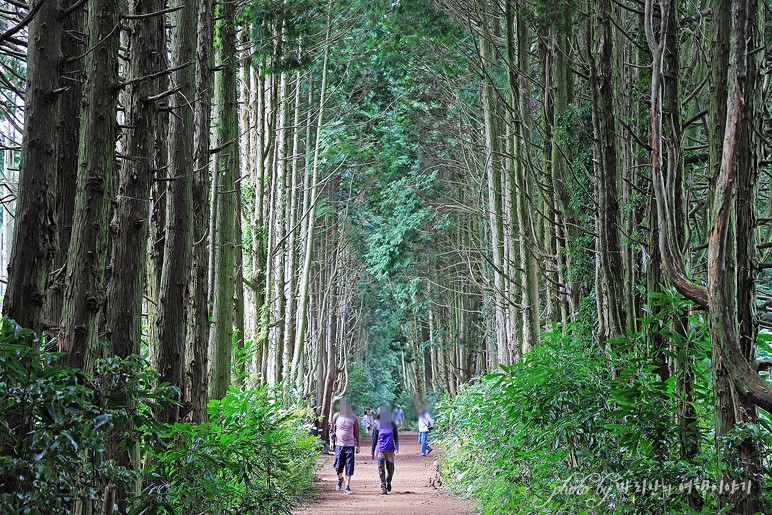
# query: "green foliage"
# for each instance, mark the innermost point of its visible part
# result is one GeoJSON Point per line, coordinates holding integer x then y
{"type": "Point", "coordinates": [55, 423]}
{"type": "Point", "coordinates": [295, 19]}
{"type": "Point", "coordinates": [573, 416]}
{"type": "Point", "coordinates": [391, 142]}
{"type": "Point", "coordinates": [367, 391]}
{"type": "Point", "coordinates": [509, 436]}
{"type": "Point", "coordinates": [242, 355]}
{"type": "Point", "coordinates": [375, 380]}
{"type": "Point", "coordinates": [394, 237]}
{"type": "Point", "coordinates": [254, 455]}
{"type": "Point", "coordinates": [573, 132]}
{"type": "Point", "coordinates": [556, 14]}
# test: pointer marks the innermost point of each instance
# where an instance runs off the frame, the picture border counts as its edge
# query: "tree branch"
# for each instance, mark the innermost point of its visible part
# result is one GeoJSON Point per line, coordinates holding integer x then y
{"type": "Point", "coordinates": [152, 75]}
{"type": "Point", "coordinates": [24, 21]}
{"type": "Point", "coordinates": [151, 15]}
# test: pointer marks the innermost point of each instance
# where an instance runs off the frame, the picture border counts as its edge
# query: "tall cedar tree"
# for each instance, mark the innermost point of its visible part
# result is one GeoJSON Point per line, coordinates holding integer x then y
{"type": "Point", "coordinates": [173, 295]}
{"type": "Point", "coordinates": [34, 238]}
{"type": "Point", "coordinates": [227, 143]}
{"type": "Point", "coordinates": [198, 315]}
{"type": "Point", "coordinates": [87, 256]}
{"type": "Point", "coordinates": [130, 225]}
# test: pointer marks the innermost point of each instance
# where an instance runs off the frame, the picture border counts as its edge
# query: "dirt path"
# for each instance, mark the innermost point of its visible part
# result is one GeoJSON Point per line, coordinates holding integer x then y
{"type": "Point", "coordinates": [412, 493]}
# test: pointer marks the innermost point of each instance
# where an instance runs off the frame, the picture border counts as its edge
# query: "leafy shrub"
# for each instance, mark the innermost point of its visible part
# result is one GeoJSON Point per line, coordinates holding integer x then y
{"type": "Point", "coordinates": [574, 429]}
{"type": "Point", "coordinates": [55, 423]}
{"type": "Point", "coordinates": [254, 455]}
{"type": "Point", "coordinates": [510, 436]}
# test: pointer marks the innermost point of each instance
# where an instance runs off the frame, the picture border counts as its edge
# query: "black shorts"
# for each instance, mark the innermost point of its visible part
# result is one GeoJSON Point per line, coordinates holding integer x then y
{"type": "Point", "coordinates": [344, 457]}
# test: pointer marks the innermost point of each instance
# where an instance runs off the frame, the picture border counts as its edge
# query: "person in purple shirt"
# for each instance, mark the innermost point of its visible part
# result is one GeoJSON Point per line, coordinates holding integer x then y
{"type": "Point", "coordinates": [386, 444]}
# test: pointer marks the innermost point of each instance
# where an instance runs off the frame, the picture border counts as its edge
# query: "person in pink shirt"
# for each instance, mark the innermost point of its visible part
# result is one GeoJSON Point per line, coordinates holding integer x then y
{"type": "Point", "coordinates": [344, 433]}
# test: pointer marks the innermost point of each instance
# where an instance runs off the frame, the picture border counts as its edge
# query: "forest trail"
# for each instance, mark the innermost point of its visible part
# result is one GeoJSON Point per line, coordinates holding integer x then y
{"type": "Point", "coordinates": [412, 491]}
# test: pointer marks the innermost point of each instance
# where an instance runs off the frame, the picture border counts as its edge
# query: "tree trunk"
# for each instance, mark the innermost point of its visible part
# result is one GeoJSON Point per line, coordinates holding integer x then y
{"type": "Point", "coordinates": [277, 249]}
{"type": "Point", "coordinates": [173, 299]}
{"type": "Point", "coordinates": [67, 158]}
{"type": "Point", "coordinates": [155, 254]}
{"type": "Point", "coordinates": [609, 248]}
{"type": "Point", "coordinates": [731, 251]}
{"type": "Point", "coordinates": [85, 275]}
{"type": "Point", "coordinates": [724, 398]}
{"type": "Point", "coordinates": [34, 237]}
{"type": "Point", "coordinates": [300, 335]}
{"type": "Point", "coordinates": [227, 138]}
{"type": "Point", "coordinates": [290, 274]}
{"type": "Point", "coordinates": [493, 171]}
{"type": "Point", "coordinates": [198, 316]}
{"type": "Point", "coordinates": [565, 292]}
{"type": "Point", "coordinates": [257, 222]}
{"type": "Point", "coordinates": [130, 224]}
{"type": "Point", "coordinates": [524, 198]}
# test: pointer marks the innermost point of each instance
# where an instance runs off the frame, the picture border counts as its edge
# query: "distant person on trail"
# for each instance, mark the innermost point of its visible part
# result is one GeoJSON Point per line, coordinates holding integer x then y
{"type": "Point", "coordinates": [425, 424]}
{"type": "Point", "coordinates": [364, 422]}
{"type": "Point", "coordinates": [316, 424]}
{"type": "Point", "coordinates": [399, 416]}
{"type": "Point", "coordinates": [386, 444]}
{"type": "Point", "coordinates": [344, 433]}
{"type": "Point", "coordinates": [370, 419]}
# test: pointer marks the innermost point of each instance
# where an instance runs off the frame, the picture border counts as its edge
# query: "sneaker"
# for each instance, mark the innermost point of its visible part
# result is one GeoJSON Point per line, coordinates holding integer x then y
{"type": "Point", "coordinates": [388, 487]}
{"type": "Point", "coordinates": [347, 491]}
{"type": "Point", "coordinates": [339, 485]}
{"type": "Point", "coordinates": [384, 491]}
{"type": "Point", "coordinates": [422, 454]}
{"type": "Point", "coordinates": [429, 451]}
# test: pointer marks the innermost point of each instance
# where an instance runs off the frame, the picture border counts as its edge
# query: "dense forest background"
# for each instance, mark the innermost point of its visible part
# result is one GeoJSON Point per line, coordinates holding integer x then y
{"type": "Point", "coordinates": [549, 219]}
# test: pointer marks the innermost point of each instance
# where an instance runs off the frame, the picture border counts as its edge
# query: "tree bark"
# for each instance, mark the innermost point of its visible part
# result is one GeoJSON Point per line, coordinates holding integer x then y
{"type": "Point", "coordinates": [493, 172]}
{"type": "Point", "coordinates": [731, 248]}
{"type": "Point", "coordinates": [290, 273]}
{"type": "Point", "coordinates": [173, 297]}
{"type": "Point", "coordinates": [608, 243]}
{"type": "Point", "coordinates": [34, 237]}
{"type": "Point", "coordinates": [277, 249]}
{"type": "Point", "coordinates": [87, 259]}
{"type": "Point", "coordinates": [130, 225]}
{"type": "Point", "coordinates": [157, 236]}
{"type": "Point", "coordinates": [67, 159]}
{"type": "Point", "coordinates": [227, 138]}
{"type": "Point", "coordinates": [526, 197]}
{"type": "Point", "coordinates": [198, 315]}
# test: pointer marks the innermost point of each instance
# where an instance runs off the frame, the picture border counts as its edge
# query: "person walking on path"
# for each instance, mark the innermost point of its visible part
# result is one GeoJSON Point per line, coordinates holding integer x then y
{"type": "Point", "coordinates": [365, 423]}
{"type": "Point", "coordinates": [345, 436]}
{"type": "Point", "coordinates": [370, 419]}
{"type": "Point", "coordinates": [425, 424]}
{"type": "Point", "coordinates": [399, 416]}
{"type": "Point", "coordinates": [386, 444]}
